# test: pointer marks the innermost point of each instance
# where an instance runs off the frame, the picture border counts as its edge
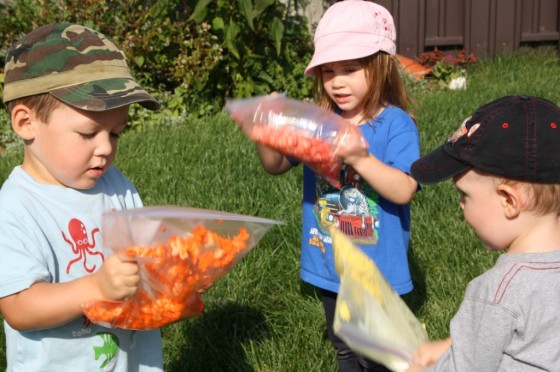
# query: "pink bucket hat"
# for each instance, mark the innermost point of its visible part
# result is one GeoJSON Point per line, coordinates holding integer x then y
{"type": "Point", "coordinates": [352, 29]}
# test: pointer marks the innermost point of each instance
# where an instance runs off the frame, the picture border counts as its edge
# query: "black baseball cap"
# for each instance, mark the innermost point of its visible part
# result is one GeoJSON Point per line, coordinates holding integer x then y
{"type": "Point", "coordinates": [515, 137]}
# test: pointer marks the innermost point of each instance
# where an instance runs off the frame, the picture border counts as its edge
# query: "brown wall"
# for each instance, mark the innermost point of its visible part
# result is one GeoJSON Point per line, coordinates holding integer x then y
{"type": "Point", "coordinates": [483, 27]}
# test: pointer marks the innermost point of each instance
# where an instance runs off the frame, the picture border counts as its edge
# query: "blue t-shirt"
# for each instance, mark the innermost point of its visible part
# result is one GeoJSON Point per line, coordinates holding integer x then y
{"type": "Point", "coordinates": [379, 227]}
{"type": "Point", "coordinates": [53, 234]}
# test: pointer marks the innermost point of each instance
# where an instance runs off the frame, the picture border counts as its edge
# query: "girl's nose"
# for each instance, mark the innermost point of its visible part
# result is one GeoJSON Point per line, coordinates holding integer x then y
{"type": "Point", "coordinates": [337, 81]}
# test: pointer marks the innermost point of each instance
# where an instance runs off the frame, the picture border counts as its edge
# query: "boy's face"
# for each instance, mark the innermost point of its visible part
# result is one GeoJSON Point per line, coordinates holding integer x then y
{"type": "Point", "coordinates": [483, 209]}
{"type": "Point", "coordinates": [75, 147]}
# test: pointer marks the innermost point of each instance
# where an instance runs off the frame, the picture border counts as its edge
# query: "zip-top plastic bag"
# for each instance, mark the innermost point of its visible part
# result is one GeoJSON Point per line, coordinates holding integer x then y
{"type": "Point", "coordinates": [302, 131]}
{"type": "Point", "coordinates": [370, 316]}
{"type": "Point", "coordinates": [180, 252]}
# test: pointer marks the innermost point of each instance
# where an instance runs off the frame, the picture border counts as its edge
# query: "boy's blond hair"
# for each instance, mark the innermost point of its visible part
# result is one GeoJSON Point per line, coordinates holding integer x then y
{"type": "Point", "coordinates": [42, 104]}
{"type": "Point", "coordinates": [541, 198]}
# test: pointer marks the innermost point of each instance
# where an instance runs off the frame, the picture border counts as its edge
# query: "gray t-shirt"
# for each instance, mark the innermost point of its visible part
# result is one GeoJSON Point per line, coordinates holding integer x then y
{"type": "Point", "coordinates": [508, 320]}
{"type": "Point", "coordinates": [53, 234]}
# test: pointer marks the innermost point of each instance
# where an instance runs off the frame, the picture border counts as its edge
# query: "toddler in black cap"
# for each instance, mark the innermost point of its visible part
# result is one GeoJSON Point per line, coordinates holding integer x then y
{"type": "Point", "coordinates": [505, 163]}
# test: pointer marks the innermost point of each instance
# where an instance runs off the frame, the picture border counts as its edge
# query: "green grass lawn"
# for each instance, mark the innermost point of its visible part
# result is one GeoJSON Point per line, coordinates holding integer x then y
{"type": "Point", "coordinates": [260, 317]}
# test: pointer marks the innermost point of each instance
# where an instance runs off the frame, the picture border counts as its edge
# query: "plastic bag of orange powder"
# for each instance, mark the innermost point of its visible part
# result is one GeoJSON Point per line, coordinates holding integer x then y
{"type": "Point", "coordinates": [300, 130]}
{"type": "Point", "coordinates": [180, 253]}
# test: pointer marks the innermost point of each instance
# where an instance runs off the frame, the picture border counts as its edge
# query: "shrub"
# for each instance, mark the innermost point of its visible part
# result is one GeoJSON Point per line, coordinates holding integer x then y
{"type": "Point", "coordinates": [196, 53]}
{"type": "Point", "coordinates": [265, 48]}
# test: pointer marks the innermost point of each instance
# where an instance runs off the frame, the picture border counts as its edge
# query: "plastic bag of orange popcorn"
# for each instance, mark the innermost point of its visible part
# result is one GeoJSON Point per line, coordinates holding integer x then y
{"type": "Point", "coordinates": [180, 252]}
{"type": "Point", "coordinates": [302, 131]}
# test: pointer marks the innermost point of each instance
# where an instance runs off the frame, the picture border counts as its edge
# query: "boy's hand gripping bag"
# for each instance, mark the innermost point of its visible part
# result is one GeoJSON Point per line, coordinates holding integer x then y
{"type": "Point", "coordinates": [302, 131]}
{"type": "Point", "coordinates": [370, 316]}
{"type": "Point", "coordinates": [180, 253]}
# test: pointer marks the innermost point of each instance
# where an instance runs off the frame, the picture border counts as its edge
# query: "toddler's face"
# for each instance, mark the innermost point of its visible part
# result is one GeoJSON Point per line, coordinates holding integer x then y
{"type": "Point", "coordinates": [75, 147]}
{"type": "Point", "coordinates": [483, 209]}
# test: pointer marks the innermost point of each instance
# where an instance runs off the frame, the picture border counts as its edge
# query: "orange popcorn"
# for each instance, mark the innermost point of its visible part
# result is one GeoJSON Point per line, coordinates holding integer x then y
{"type": "Point", "coordinates": [300, 130]}
{"type": "Point", "coordinates": [174, 276]}
{"type": "Point", "coordinates": [316, 153]}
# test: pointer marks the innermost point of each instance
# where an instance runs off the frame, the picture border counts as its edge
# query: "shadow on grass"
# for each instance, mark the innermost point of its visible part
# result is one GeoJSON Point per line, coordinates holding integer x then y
{"type": "Point", "coordinates": [417, 298]}
{"type": "Point", "coordinates": [214, 341]}
{"type": "Point", "coordinates": [307, 290]}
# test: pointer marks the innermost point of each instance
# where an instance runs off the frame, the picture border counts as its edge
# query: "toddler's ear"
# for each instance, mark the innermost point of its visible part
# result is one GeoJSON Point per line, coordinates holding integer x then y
{"type": "Point", "coordinates": [22, 122]}
{"type": "Point", "coordinates": [512, 202]}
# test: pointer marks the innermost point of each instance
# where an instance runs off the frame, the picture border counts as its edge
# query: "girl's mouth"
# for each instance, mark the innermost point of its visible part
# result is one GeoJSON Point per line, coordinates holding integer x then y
{"type": "Point", "coordinates": [341, 98]}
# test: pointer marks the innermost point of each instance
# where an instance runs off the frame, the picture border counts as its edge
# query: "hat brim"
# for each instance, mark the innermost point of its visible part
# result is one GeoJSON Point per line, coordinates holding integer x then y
{"type": "Point", "coordinates": [438, 165]}
{"type": "Point", "coordinates": [342, 47]}
{"type": "Point", "coordinates": [107, 94]}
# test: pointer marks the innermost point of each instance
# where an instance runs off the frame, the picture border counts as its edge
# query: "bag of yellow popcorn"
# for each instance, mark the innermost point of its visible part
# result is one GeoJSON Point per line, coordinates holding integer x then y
{"type": "Point", "coordinates": [370, 316]}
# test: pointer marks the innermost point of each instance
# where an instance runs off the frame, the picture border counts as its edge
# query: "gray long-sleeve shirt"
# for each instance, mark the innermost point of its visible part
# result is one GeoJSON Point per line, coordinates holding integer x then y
{"type": "Point", "coordinates": [508, 320]}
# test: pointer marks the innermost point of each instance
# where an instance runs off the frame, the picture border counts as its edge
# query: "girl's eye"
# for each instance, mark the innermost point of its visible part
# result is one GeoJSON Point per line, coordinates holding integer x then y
{"type": "Point", "coordinates": [116, 135]}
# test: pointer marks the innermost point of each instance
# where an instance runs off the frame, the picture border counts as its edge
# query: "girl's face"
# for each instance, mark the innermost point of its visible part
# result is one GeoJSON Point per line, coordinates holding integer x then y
{"type": "Point", "coordinates": [346, 84]}
{"type": "Point", "coordinates": [75, 147]}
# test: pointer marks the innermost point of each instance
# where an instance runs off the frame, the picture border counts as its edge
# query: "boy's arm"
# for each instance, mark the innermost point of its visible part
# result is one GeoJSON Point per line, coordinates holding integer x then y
{"type": "Point", "coordinates": [273, 162]}
{"type": "Point", "coordinates": [47, 305]}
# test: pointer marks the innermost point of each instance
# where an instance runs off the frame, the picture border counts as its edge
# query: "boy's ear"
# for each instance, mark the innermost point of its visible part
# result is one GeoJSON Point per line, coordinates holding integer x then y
{"type": "Point", "coordinates": [22, 122]}
{"type": "Point", "coordinates": [511, 200]}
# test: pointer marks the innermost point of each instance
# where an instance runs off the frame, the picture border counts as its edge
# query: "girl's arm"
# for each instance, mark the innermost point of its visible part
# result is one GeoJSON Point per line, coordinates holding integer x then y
{"type": "Point", "coordinates": [391, 183]}
{"type": "Point", "coordinates": [47, 305]}
{"type": "Point", "coordinates": [273, 161]}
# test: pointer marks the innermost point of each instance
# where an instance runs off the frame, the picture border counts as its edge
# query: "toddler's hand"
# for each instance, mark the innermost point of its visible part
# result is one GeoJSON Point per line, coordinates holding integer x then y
{"type": "Point", "coordinates": [428, 353]}
{"type": "Point", "coordinates": [117, 279]}
{"type": "Point", "coordinates": [415, 368]}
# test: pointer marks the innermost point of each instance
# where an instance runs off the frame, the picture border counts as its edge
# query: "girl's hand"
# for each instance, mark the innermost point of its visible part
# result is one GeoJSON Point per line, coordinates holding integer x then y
{"type": "Point", "coordinates": [117, 279]}
{"type": "Point", "coordinates": [351, 146]}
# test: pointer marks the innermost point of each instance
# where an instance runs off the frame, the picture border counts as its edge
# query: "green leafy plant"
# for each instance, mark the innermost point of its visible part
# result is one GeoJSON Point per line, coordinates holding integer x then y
{"type": "Point", "coordinates": [192, 54]}
{"type": "Point", "coordinates": [264, 48]}
{"type": "Point", "coordinates": [446, 72]}
{"type": "Point", "coordinates": [447, 66]}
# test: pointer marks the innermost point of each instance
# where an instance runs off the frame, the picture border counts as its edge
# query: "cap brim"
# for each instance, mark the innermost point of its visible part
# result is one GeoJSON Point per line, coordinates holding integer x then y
{"type": "Point", "coordinates": [107, 94]}
{"type": "Point", "coordinates": [342, 47]}
{"type": "Point", "coordinates": [340, 53]}
{"type": "Point", "coordinates": [437, 166]}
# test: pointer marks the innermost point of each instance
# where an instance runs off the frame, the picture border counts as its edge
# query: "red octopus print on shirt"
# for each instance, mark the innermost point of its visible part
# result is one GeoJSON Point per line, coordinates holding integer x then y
{"type": "Point", "coordinates": [80, 244]}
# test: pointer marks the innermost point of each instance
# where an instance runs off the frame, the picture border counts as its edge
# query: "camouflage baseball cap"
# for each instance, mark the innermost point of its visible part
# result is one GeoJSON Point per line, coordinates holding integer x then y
{"type": "Point", "coordinates": [79, 66]}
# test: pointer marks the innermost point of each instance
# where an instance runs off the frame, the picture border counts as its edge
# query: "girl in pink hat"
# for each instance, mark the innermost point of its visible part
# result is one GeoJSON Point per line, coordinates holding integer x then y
{"type": "Point", "coordinates": [357, 76]}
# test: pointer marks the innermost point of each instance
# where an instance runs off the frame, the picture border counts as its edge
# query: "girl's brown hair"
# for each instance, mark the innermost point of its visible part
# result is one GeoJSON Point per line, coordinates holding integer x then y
{"type": "Point", "coordinates": [385, 86]}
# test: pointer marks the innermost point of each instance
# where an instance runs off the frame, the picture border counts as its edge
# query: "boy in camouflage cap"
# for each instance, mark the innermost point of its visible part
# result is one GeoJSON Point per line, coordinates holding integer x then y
{"type": "Point", "coordinates": [68, 90]}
